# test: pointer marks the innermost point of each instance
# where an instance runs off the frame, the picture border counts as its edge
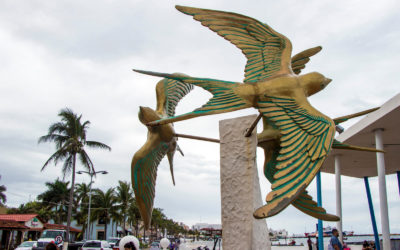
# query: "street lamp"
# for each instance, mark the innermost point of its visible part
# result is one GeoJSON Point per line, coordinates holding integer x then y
{"type": "Point", "coordinates": [90, 193]}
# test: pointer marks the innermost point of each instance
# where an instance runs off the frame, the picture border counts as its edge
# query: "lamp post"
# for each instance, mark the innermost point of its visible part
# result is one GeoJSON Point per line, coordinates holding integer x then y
{"type": "Point", "coordinates": [90, 194]}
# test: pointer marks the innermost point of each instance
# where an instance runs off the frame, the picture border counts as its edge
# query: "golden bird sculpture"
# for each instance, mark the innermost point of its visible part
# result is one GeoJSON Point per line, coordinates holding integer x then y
{"type": "Point", "coordinates": [296, 137]}
{"type": "Point", "coordinates": [161, 141]}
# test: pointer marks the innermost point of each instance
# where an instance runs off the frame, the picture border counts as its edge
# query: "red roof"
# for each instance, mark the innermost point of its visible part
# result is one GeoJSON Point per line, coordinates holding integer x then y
{"type": "Point", "coordinates": [18, 217]}
{"type": "Point", "coordinates": [11, 224]}
{"type": "Point", "coordinates": [59, 226]}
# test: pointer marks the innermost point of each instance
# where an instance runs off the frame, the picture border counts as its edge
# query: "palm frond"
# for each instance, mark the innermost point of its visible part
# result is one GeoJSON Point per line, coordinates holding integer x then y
{"type": "Point", "coordinates": [96, 144]}
{"type": "Point", "coordinates": [56, 157]}
{"type": "Point", "coordinates": [84, 128]}
{"type": "Point", "coordinates": [57, 138]}
{"type": "Point", "coordinates": [58, 127]}
{"type": "Point", "coordinates": [3, 197]}
{"type": "Point", "coordinates": [86, 161]}
{"type": "Point", "coordinates": [67, 166]}
{"type": "Point", "coordinates": [70, 119]}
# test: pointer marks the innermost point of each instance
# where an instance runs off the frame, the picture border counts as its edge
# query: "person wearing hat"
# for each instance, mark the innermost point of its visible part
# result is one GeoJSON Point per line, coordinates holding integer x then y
{"type": "Point", "coordinates": [129, 242]}
{"type": "Point", "coordinates": [130, 246]}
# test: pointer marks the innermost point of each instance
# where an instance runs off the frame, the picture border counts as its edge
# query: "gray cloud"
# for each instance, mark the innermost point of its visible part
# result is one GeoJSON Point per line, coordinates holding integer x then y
{"type": "Point", "coordinates": [80, 55]}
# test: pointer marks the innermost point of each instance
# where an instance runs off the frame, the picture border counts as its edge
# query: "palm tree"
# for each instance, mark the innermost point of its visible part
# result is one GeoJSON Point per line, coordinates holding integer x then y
{"type": "Point", "coordinates": [3, 197]}
{"type": "Point", "coordinates": [103, 203]}
{"type": "Point", "coordinates": [82, 200]}
{"type": "Point", "coordinates": [124, 198]}
{"type": "Point", "coordinates": [69, 135]}
{"type": "Point", "coordinates": [81, 192]}
{"type": "Point", "coordinates": [56, 196]}
{"type": "Point", "coordinates": [116, 218]}
{"type": "Point", "coordinates": [157, 219]}
{"type": "Point", "coordinates": [134, 216]}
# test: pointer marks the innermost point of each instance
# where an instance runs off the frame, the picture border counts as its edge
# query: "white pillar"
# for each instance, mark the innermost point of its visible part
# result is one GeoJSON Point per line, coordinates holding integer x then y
{"type": "Point", "coordinates": [382, 189]}
{"type": "Point", "coordinates": [240, 187]}
{"type": "Point", "coordinates": [339, 224]}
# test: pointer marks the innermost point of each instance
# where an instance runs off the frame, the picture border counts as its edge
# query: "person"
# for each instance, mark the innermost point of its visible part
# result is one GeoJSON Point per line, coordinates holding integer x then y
{"type": "Point", "coordinates": [366, 246]}
{"type": "Point", "coordinates": [130, 246]}
{"type": "Point", "coordinates": [309, 243]}
{"type": "Point", "coordinates": [335, 242]}
{"type": "Point", "coordinates": [51, 246]}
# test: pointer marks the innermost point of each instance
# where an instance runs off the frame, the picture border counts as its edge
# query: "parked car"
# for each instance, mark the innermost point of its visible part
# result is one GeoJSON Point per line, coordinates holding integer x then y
{"type": "Point", "coordinates": [112, 241]}
{"type": "Point", "coordinates": [155, 245]}
{"type": "Point", "coordinates": [116, 245]}
{"type": "Point", "coordinates": [27, 245]}
{"type": "Point", "coordinates": [96, 244]}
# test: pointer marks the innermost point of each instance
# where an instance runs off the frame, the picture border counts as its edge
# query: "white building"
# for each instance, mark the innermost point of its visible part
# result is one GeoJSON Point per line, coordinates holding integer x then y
{"type": "Point", "coordinates": [199, 226]}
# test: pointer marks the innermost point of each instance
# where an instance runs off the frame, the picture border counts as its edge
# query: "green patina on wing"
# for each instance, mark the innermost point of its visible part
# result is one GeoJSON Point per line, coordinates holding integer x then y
{"type": "Point", "coordinates": [303, 202]}
{"type": "Point", "coordinates": [307, 205]}
{"type": "Point", "coordinates": [300, 60]}
{"type": "Point", "coordinates": [306, 138]}
{"type": "Point", "coordinates": [223, 93]}
{"type": "Point", "coordinates": [266, 50]}
{"type": "Point", "coordinates": [144, 174]}
{"type": "Point", "coordinates": [224, 97]}
{"type": "Point", "coordinates": [174, 92]}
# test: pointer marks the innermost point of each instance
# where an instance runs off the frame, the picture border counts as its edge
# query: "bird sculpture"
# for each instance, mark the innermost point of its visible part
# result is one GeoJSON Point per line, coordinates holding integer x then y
{"type": "Point", "coordinates": [296, 137]}
{"type": "Point", "coordinates": [161, 141]}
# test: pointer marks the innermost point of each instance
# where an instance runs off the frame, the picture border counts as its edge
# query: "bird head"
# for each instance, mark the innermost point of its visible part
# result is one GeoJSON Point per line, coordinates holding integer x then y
{"type": "Point", "coordinates": [313, 82]}
{"type": "Point", "coordinates": [147, 115]}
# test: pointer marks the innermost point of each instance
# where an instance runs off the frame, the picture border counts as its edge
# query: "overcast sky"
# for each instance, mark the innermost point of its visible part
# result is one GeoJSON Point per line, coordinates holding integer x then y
{"type": "Point", "coordinates": [80, 54]}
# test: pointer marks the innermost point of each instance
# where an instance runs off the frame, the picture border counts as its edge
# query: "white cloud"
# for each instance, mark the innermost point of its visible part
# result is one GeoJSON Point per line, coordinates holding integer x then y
{"type": "Point", "coordinates": [80, 55]}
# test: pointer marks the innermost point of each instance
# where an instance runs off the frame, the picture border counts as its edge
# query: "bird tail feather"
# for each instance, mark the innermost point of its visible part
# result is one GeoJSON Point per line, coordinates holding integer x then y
{"type": "Point", "coordinates": [224, 98]}
{"type": "Point", "coordinates": [307, 205]}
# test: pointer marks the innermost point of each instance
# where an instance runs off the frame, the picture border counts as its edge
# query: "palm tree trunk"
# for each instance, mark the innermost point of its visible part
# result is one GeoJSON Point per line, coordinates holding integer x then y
{"type": "Point", "coordinates": [71, 196]}
{"type": "Point", "coordinates": [151, 232]}
{"type": "Point", "coordinates": [105, 230]}
{"type": "Point", "coordinates": [124, 225]}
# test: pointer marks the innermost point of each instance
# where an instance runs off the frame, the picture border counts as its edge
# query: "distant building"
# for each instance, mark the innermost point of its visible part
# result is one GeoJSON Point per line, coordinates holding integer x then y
{"type": "Point", "coordinates": [186, 227]}
{"type": "Point", "coordinates": [281, 233]}
{"type": "Point", "coordinates": [199, 226]}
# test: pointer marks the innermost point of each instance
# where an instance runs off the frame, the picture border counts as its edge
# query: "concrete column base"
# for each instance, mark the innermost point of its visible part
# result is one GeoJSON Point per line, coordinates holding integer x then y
{"type": "Point", "coordinates": [240, 188]}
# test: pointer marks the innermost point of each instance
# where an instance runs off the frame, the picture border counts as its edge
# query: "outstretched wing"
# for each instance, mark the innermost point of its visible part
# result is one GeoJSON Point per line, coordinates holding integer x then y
{"type": "Point", "coordinates": [169, 93]}
{"type": "Point", "coordinates": [144, 173]}
{"type": "Point", "coordinates": [267, 52]}
{"type": "Point", "coordinates": [300, 60]}
{"type": "Point", "coordinates": [306, 138]}
{"type": "Point", "coordinates": [303, 202]}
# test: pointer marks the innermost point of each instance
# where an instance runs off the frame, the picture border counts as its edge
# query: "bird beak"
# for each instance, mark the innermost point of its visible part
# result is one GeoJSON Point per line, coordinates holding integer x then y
{"type": "Point", "coordinates": [327, 81]}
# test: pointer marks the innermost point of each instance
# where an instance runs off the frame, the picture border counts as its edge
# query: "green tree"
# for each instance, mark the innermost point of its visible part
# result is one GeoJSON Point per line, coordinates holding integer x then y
{"type": "Point", "coordinates": [103, 206]}
{"type": "Point", "coordinates": [56, 198]}
{"type": "Point", "coordinates": [82, 201]}
{"type": "Point", "coordinates": [82, 193]}
{"type": "Point", "coordinates": [3, 197]}
{"type": "Point", "coordinates": [157, 220]}
{"type": "Point", "coordinates": [124, 198]}
{"type": "Point", "coordinates": [33, 207]}
{"type": "Point", "coordinates": [134, 216]}
{"type": "Point", "coordinates": [116, 218]}
{"type": "Point", "coordinates": [69, 136]}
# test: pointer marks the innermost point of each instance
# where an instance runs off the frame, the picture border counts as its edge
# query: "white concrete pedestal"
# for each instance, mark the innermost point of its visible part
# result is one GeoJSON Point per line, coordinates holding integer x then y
{"type": "Point", "coordinates": [240, 188]}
